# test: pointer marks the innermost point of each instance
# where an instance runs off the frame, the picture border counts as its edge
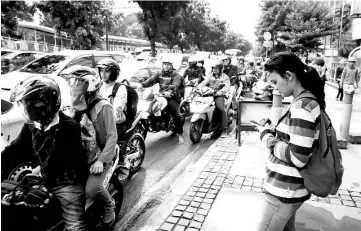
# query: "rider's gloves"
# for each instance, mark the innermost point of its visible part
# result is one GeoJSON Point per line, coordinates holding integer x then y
{"type": "Point", "coordinates": [167, 94]}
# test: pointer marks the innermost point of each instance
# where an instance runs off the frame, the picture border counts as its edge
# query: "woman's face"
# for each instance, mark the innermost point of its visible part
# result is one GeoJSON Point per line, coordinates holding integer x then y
{"type": "Point", "coordinates": [105, 74]}
{"type": "Point", "coordinates": [281, 84]}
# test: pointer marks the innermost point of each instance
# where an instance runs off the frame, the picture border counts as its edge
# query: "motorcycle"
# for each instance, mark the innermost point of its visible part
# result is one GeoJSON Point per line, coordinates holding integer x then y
{"type": "Point", "coordinates": [154, 116]}
{"type": "Point", "coordinates": [188, 96]}
{"type": "Point", "coordinates": [48, 215]}
{"type": "Point", "coordinates": [206, 118]}
{"type": "Point", "coordinates": [133, 146]}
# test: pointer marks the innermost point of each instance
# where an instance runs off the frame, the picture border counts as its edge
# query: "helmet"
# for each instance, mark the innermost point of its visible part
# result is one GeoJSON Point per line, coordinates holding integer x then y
{"type": "Point", "coordinates": [192, 60]}
{"type": "Point", "coordinates": [351, 59]}
{"type": "Point", "coordinates": [86, 73]}
{"type": "Point", "coordinates": [225, 57]}
{"type": "Point", "coordinates": [217, 63]}
{"type": "Point", "coordinates": [109, 64]}
{"type": "Point", "coordinates": [40, 97]}
{"type": "Point", "coordinates": [167, 60]}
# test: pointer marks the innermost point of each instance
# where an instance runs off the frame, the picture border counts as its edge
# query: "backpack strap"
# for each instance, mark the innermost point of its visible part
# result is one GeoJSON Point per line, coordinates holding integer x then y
{"type": "Point", "coordinates": [115, 90]}
{"type": "Point", "coordinates": [91, 105]}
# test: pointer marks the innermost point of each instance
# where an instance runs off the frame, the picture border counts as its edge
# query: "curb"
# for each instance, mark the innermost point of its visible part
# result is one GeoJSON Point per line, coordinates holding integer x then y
{"type": "Point", "coordinates": [194, 205]}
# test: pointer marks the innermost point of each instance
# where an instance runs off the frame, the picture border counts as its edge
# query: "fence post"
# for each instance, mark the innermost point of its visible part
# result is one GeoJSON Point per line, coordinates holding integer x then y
{"type": "Point", "coordinates": [346, 118]}
{"type": "Point", "coordinates": [276, 106]}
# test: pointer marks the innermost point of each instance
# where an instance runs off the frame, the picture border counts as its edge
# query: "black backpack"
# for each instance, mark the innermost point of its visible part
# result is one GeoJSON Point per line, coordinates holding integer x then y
{"type": "Point", "coordinates": [132, 100]}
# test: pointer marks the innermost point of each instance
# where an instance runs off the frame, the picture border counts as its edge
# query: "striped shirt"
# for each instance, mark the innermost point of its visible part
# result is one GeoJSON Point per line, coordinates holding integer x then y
{"type": "Point", "coordinates": [291, 147]}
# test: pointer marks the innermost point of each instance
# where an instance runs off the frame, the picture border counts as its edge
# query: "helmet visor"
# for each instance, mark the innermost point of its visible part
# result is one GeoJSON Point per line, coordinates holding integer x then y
{"type": "Point", "coordinates": [79, 82]}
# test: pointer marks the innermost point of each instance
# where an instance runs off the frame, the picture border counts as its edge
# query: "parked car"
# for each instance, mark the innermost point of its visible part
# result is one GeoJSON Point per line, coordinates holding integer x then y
{"type": "Point", "coordinates": [18, 59]}
{"type": "Point", "coordinates": [6, 51]}
{"type": "Point", "coordinates": [53, 64]}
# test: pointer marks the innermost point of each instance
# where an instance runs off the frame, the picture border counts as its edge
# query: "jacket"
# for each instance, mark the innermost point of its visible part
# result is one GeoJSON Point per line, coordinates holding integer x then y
{"type": "Point", "coordinates": [214, 82]}
{"type": "Point", "coordinates": [350, 76]}
{"type": "Point", "coordinates": [102, 116]}
{"type": "Point", "coordinates": [119, 102]}
{"type": "Point", "coordinates": [58, 150]}
{"type": "Point", "coordinates": [166, 79]}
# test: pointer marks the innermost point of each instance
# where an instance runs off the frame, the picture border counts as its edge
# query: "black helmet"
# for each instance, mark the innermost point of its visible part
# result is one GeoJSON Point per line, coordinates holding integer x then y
{"type": "Point", "coordinates": [40, 96]}
{"type": "Point", "coordinates": [109, 64]}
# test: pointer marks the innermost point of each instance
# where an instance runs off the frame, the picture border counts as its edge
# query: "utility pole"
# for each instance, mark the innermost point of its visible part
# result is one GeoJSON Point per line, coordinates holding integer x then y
{"type": "Point", "coordinates": [340, 36]}
{"type": "Point", "coordinates": [106, 32]}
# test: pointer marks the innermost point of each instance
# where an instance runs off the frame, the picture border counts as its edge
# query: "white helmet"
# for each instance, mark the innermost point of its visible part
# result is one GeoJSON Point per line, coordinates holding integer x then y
{"type": "Point", "coordinates": [192, 59]}
{"type": "Point", "coordinates": [89, 74]}
{"type": "Point", "coordinates": [167, 60]}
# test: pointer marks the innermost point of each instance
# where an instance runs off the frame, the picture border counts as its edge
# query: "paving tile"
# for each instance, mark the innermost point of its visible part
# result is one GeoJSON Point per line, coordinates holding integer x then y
{"type": "Point", "coordinates": [183, 222]}
{"type": "Point", "coordinates": [215, 187]}
{"type": "Point", "coordinates": [214, 191]}
{"type": "Point", "coordinates": [200, 194]}
{"type": "Point", "coordinates": [197, 185]}
{"type": "Point", "coordinates": [358, 204]}
{"type": "Point", "coordinates": [246, 189]}
{"type": "Point", "coordinates": [188, 215]}
{"type": "Point", "coordinates": [167, 227]}
{"type": "Point", "coordinates": [258, 190]}
{"type": "Point", "coordinates": [343, 192]}
{"type": "Point", "coordinates": [199, 218]}
{"type": "Point", "coordinates": [356, 198]}
{"type": "Point", "coordinates": [257, 184]}
{"type": "Point", "coordinates": [192, 229]}
{"type": "Point", "coordinates": [247, 183]}
{"type": "Point", "coordinates": [172, 220]}
{"type": "Point", "coordinates": [196, 204]}
{"type": "Point", "coordinates": [202, 212]}
{"type": "Point", "coordinates": [184, 202]}
{"type": "Point", "coordinates": [211, 195]}
{"type": "Point", "coordinates": [205, 206]}
{"type": "Point", "coordinates": [192, 209]}
{"type": "Point", "coordinates": [193, 189]}
{"type": "Point", "coordinates": [198, 199]}
{"type": "Point", "coordinates": [195, 224]}
{"type": "Point", "coordinates": [349, 203]}
{"type": "Point", "coordinates": [179, 228]}
{"type": "Point", "coordinates": [356, 194]}
{"type": "Point", "coordinates": [226, 185]}
{"type": "Point", "coordinates": [345, 197]}
{"type": "Point", "coordinates": [187, 198]}
{"type": "Point", "coordinates": [177, 213]}
{"type": "Point", "coordinates": [207, 200]}
{"type": "Point", "coordinates": [203, 190]}
{"type": "Point", "coordinates": [181, 207]}
{"type": "Point", "coordinates": [207, 186]}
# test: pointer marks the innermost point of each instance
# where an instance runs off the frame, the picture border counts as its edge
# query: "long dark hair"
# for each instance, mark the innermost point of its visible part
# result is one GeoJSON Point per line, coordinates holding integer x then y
{"type": "Point", "coordinates": [308, 76]}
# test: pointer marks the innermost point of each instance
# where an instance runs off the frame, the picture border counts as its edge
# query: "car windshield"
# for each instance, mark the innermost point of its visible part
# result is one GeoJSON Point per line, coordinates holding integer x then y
{"type": "Point", "coordinates": [45, 65]}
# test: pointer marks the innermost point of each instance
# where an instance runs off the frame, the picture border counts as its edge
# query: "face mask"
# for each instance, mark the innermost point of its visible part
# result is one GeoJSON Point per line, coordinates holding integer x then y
{"type": "Point", "coordinates": [77, 98]}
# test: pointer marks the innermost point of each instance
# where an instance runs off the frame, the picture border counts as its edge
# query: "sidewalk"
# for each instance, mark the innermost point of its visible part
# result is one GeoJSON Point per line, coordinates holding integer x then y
{"type": "Point", "coordinates": [224, 194]}
{"type": "Point", "coordinates": [222, 190]}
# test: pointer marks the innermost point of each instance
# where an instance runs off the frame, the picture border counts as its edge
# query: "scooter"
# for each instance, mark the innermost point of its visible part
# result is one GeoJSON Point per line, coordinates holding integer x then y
{"type": "Point", "coordinates": [154, 118]}
{"type": "Point", "coordinates": [206, 117]}
{"type": "Point", "coordinates": [48, 216]}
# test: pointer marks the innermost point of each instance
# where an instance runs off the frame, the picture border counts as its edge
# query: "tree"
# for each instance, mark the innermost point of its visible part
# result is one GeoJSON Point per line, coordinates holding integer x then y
{"type": "Point", "coordinates": [11, 11]}
{"type": "Point", "coordinates": [128, 26]}
{"type": "Point", "coordinates": [295, 25]}
{"type": "Point", "coordinates": [84, 20]}
{"type": "Point", "coordinates": [155, 15]}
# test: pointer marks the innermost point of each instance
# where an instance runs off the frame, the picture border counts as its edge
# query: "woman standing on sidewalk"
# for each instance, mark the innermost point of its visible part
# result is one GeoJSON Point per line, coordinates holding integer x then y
{"type": "Point", "coordinates": [291, 142]}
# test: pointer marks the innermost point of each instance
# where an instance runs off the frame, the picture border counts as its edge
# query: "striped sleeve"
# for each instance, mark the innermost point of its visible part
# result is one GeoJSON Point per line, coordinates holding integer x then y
{"type": "Point", "coordinates": [302, 134]}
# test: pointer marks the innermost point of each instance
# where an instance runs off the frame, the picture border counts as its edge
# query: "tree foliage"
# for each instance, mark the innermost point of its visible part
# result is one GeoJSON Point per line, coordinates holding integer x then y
{"type": "Point", "coordinates": [85, 20]}
{"type": "Point", "coordinates": [155, 15]}
{"type": "Point", "coordinates": [11, 11]}
{"type": "Point", "coordinates": [128, 26]}
{"type": "Point", "coordinates": [295, 25]}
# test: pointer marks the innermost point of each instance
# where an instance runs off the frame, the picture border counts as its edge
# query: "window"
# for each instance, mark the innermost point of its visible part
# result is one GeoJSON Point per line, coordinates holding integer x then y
{"type": "Point", "coordinates": [97, 58]}
{"type": "Point", "coordinates": [83, 61]}
{"type": "Point", "coordinates": [45, 65]}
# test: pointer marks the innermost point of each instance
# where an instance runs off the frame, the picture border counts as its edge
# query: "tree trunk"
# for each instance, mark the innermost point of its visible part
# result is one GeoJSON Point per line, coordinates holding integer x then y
{"type": "Point", "coordinates": [152, 46]}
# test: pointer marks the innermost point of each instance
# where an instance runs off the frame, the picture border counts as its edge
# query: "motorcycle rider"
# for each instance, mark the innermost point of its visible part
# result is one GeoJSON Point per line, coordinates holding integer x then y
{"type": "Point", "coordinates": [85, 85]}
{"type": "Point", "coordinates": [53, 142]}
{"type": "Point", "coordinates": [213, 81]}
{"type": "Point", "coordinates": [109, 70]}
{"type": "Point", "coordinates": [168, 76]}
{"type": "Point", "coordinates": [193, 71]}
{"type": "Point", "coordinates": [231, 71]}
{"type": "Point", "coordinates": [200, 64]}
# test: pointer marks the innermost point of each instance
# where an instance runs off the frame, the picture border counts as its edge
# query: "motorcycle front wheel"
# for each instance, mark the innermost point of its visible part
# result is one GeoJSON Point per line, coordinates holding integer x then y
{"type": "Point", "coordinates": [136, 144]}
{"type": "Point", "coordinates": [196, 130]}
{"type": "Point", "coordinates": [142, 128]}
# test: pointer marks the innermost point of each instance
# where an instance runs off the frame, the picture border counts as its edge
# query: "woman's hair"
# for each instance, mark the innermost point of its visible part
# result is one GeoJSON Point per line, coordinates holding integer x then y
{"type": "Point", "coordinates": [307, 75]}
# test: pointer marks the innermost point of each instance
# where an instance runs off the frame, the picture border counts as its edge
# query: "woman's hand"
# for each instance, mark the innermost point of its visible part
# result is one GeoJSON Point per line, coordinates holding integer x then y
{"type": "Point", "coordinates": [97, 167]}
